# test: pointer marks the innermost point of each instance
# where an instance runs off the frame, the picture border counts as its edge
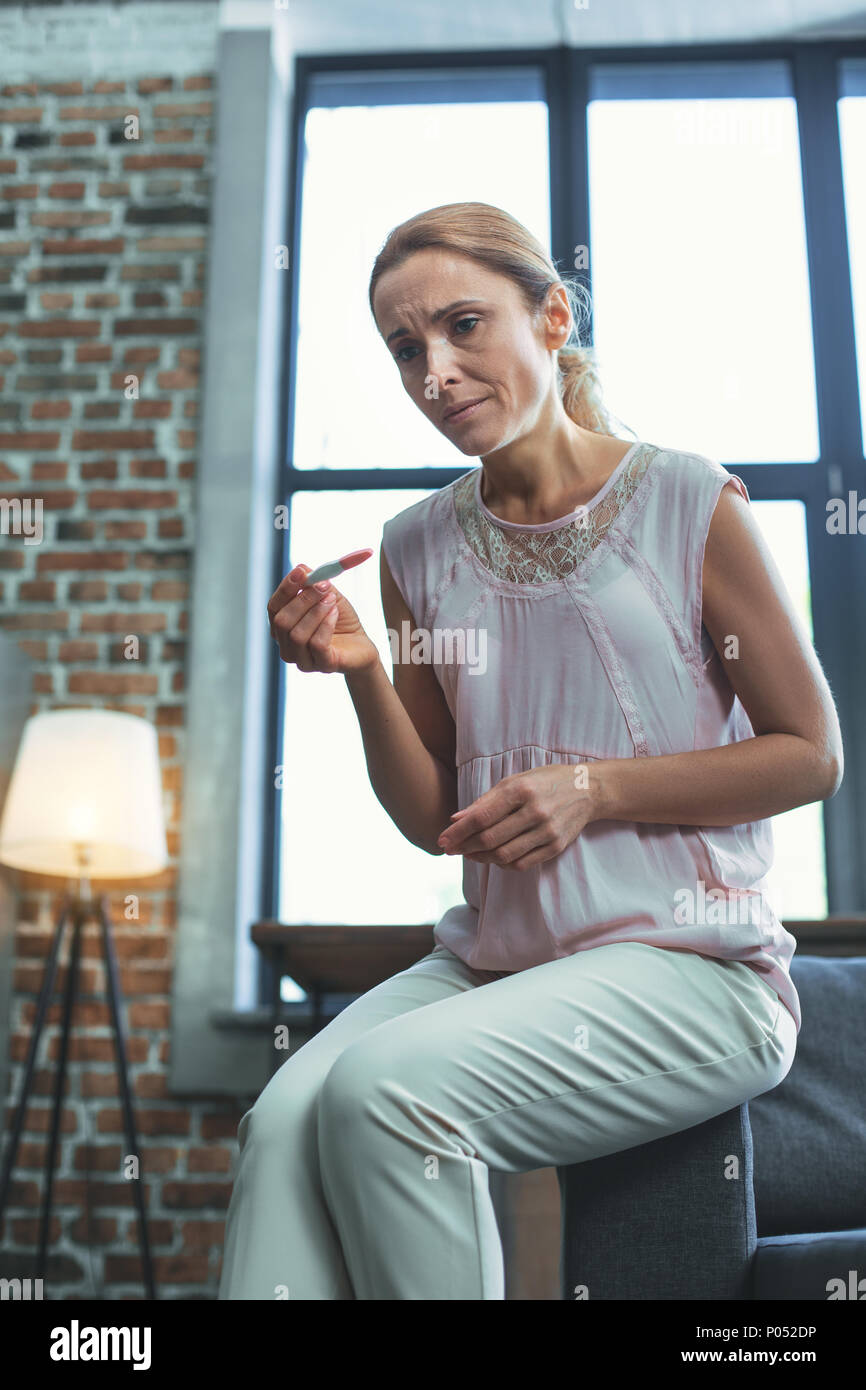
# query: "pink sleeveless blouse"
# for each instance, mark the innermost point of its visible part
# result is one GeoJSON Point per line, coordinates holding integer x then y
{"type": "Point", "coordinates": [571, 641]}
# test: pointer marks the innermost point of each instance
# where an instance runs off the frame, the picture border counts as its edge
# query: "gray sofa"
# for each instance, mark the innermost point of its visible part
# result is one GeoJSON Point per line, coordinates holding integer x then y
{"type": "Point", "coordinates": [663, 1221]}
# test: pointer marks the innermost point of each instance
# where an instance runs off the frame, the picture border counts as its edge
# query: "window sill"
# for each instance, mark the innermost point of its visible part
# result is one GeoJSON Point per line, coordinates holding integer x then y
{"type": "Point", "coordinates": [261, 1020]}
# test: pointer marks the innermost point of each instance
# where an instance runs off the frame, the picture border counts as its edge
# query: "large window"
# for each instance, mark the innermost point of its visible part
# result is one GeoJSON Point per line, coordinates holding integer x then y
{"type": "Point", "coordinates": [852, 127]}
{"type": "Point", "coordinates": [699, 271]}
{"type": "Point", "coordinates": [708, 193]}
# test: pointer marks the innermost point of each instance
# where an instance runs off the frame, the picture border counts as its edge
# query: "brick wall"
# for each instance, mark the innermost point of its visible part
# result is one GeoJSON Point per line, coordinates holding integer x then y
{"type": "Point", "coordinates": [103, 245]}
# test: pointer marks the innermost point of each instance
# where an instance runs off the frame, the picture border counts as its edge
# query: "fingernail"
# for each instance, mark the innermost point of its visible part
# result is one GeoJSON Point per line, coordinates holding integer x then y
{"type": "Point", "coordinates": [323, 587]}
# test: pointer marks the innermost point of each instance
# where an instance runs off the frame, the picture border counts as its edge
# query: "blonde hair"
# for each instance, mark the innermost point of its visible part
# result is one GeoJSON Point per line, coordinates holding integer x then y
{"type": "Point", "coordinates": [497, 240]}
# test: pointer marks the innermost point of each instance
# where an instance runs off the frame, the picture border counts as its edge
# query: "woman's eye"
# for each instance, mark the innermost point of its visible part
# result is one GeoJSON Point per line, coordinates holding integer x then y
{"type": "Point", "coordinates": [470, 319]}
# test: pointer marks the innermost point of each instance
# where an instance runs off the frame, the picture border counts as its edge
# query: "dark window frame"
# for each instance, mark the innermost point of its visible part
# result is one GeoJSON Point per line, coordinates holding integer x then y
{"type": "Point", "coordinates": [815, 72]}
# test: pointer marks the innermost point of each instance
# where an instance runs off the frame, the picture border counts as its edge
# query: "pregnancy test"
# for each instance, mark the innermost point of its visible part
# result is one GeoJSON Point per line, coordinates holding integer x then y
{"type": "Point", "coordinates": [345, 562]}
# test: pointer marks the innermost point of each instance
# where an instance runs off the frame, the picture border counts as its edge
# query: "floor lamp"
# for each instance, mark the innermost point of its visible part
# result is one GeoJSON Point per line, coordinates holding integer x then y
{"type": "Point", "coordinates": [84, 803]}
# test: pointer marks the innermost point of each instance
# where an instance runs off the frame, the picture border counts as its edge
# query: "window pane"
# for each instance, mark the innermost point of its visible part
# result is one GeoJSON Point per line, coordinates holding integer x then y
{"type": "Point", "coordinates": [342, 858]}
{"type": "Point", "coordinates": [797, 881]}
{"type": "Point", "coordinates": [702, 321]}
{"type": "Point", "coordinates": [852, 131]}
{"type": "Point", "coordinates": [366, 169]}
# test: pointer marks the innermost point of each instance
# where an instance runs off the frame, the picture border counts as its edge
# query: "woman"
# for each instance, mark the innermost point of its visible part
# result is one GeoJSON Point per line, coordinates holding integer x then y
{"type": "Point", "coordinates": [647, 701]}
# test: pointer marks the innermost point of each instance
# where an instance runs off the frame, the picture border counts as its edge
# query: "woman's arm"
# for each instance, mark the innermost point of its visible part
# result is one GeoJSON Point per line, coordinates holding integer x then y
{"type": "Point", "coordinates": [408, 734]}
{"type": "Point", "coordinates": [796, 755]}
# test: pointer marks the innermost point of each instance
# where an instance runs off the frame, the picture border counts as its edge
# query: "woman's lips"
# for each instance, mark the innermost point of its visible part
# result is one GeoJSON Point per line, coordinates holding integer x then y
{"type": "Point", "coordinates": [464, 414]}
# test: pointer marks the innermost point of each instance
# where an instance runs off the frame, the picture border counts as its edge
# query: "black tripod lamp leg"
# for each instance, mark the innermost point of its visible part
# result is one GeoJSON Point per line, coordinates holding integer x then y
{"type": "Point", "coordinates": [123, 1081]}
{"type": "Point", "coordinates": [41, 1010]}
{"type": "Point", "coordinates": [68, 1003]}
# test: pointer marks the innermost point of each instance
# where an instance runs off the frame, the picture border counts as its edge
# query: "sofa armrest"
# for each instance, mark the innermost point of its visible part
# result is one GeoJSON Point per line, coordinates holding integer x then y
{"type": "Point", "coordinates": [672, 1219]}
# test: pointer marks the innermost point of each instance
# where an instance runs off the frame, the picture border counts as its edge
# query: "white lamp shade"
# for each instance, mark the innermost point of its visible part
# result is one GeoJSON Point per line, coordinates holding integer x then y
{"type": "Point", "coordinates": [85, 777]}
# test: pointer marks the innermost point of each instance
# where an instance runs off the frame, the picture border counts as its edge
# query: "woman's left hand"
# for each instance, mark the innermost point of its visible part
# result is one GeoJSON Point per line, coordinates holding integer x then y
{"type": "Point", "coordinates": [525, 819]}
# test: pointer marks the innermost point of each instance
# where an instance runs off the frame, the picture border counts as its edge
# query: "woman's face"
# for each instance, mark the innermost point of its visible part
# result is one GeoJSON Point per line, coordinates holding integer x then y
{"type": "Point", "coordinates": [458, 333]}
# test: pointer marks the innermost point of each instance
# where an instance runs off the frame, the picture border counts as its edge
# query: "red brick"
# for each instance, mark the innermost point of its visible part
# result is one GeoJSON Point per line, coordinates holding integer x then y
{"type": "Point", "coordinates": [170, 715]}
{"type": "Point", "coordinates": [147, 468]}
{"type": "Point", "coordinates": [23, 115]}
{"type": "Point", "coordinates": [153, 1086]}
{"type": "Point", "coordinates": [43, 622]}
{"type": "Point", "coordinates": [141, 354]}
{"type": "Point", "coordinates": [69, 220]}
{"type": "Point", "coordinates": [125, 530]}
{"type": "Point", "coordinates": [101, 301]}
{"type": "Point", "coordinates": [96, 113]}
{"type": "Point", "coordinates": [84, 246]}
{"type": "Point", "coordinates": [30, 439]}
{"type": "Point", "coordinates": [112, 683]}
{"type": "Point", "coordinates": [60, 328]}
{"type": "Point", "coordinates": [82, 560]}
{"type": "Point", "coordinates": [149, 1015]}
{"type": "Point", "coordinates": [200, 1236]}
{"type": "Point", "coordinates": [97, 468]}
{"type": "Point", "coordinates": [169, 590]}
{"type": "Point", "coordinates": [97, 1158]}
{"type": "Point", "coordinates": [123, 622]}
{"type": "Point", "coordinates": [195, 1195]}
{"type": "Point", "coordinates": [26, 1232]}
{"type": "Point", "coordinates": [48, 472]}
{"type": "Point", "coordinates": [98, 1230]}
{"type": "Point", "coordinates": [112, 439]}
{"type": "Point", "coordinates": [38, 1119]}
{"type": "Point", "coordinates": [66, 190]}
{"type": "Point", "coordinates": [146, 979]}
{"type": "Point", "coordinates": [78, 651]}
{"type": "Point", "coordinates": [155, 327]}
{"type": "Point", "coordinates": [182, 380]}
{"type": "Point", "coordinates": [147, 1121]}
{"type": "Point", "coordinates": [37, 591]}
{"type": "Point", "coordinates": [94, 352]}
{"type": "Point", "coordinates": [208, 1160]}
{"type": "Point", "coordinates": [172, 243]}
{"type": "Point", "coordinates": [130, 499]}
{"type": "Point", "coordinates": [21, 190]}
{"type": "Point", "coordinates": [88, 591]}
{"type": "Point", "coordinates": [222, 1126]}
{"type": "Point", "coordinates": [167, 1269]}
{"type": "Point", "coordinates": [169, 109]}
{"type": "Point", "coordinates": [163, 161]}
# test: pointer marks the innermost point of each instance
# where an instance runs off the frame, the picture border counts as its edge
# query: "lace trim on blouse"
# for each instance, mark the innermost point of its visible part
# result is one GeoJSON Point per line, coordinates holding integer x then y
{"type": "Point", "coordinates": [538, 557]}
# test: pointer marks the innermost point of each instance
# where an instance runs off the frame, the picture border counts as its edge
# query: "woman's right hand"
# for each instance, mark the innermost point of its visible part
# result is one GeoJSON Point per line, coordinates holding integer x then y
{"type": "Point", "coordinates": [316, 631]}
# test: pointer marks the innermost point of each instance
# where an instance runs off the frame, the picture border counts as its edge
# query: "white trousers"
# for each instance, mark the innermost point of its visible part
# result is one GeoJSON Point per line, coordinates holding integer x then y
{"type": "Point", "coordinates": [364, 1162]}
